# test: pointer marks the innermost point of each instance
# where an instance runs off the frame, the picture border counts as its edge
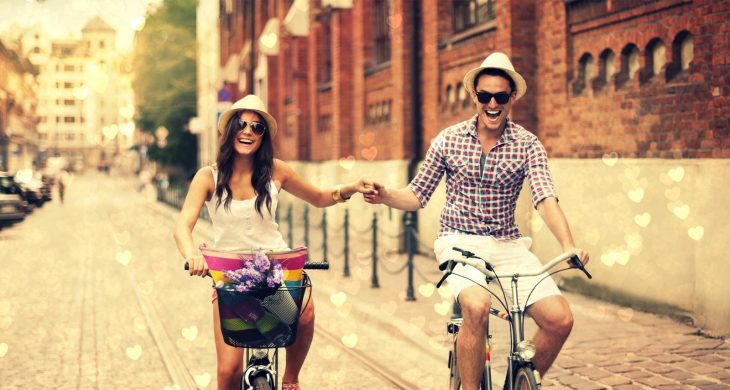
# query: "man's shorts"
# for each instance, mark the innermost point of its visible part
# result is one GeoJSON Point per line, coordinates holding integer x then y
{"type": "Point", "coordinates": [505, 256]}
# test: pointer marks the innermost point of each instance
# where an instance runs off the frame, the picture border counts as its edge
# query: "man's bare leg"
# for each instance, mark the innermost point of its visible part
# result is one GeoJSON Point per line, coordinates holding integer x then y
{"type": "Point", "coordinates": [475, 303]}
{"type": "Point", "coordinates": [555, 320]}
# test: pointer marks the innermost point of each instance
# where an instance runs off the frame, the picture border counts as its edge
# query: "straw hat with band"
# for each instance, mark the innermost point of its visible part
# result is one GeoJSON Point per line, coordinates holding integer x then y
{"type": "Point", "coordinates": [497, 60]}
{"type": "Point", "coordinates": [248, 103]}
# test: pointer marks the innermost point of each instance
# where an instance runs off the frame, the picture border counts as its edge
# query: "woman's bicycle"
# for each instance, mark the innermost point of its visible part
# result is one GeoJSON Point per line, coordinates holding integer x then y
{"type": "Point", "coordinates": [261, 320]}
{"type": "Point", "coordinates": [521, 373]}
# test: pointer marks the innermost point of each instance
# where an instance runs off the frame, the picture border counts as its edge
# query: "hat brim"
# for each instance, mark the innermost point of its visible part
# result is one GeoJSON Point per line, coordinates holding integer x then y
{"type": "Point", "coordinates": [520, 84]}
{"type": "Point", "coordinates": [226, 116]}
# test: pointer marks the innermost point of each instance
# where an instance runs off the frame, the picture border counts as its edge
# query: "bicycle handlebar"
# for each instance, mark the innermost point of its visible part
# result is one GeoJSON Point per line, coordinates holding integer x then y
{"type": "Point", "coordinates": [486, 268]}
{"type": "Point", "coordinates": [317, 265]}
{"type": "Point", "coordinates": [324, 265]}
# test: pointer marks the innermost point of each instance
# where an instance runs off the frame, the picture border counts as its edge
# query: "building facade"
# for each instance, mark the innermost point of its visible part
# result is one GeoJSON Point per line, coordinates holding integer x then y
{"type": "Point", "coordinates": [629, 97]}
{"type": "Point", "coordinates": [85, 92]}
{"type": "Point", "coordinates": [18, 105]}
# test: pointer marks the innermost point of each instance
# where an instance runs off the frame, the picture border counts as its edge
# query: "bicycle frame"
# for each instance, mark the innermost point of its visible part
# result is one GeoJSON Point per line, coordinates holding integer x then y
{"type": "Point", "coordinates": [515, 318]}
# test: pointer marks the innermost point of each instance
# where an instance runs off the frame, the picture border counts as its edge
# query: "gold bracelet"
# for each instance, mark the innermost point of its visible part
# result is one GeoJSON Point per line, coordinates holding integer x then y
{"type": "Point", "coordinates": [337, 195]}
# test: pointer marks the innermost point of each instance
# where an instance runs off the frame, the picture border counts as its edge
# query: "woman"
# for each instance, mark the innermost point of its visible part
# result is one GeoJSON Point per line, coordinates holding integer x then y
{"type": "Point", "coordinates": [241, 193]}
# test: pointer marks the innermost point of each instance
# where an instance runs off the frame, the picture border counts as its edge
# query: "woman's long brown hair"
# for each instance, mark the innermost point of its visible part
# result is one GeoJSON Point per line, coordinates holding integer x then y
{"type": "Point", "coordinates": [263, 167]}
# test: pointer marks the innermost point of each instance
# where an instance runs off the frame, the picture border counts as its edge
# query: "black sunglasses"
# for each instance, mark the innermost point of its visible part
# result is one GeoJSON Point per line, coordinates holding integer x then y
{"type": "Point", "coordinates": [501, 97]}
{"type": "Point", "coordinates": [256, 127]}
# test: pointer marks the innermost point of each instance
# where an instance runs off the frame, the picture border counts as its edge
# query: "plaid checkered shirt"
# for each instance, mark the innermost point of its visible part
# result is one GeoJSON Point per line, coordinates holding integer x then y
{"type": "Point", "coordinates": [483, 204]}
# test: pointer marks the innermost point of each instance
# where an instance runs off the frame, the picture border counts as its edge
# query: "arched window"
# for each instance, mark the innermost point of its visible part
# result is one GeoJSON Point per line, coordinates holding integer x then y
{"type": "Point", "coordinates": [449, 97]}
{"type": "Point", "coordinates": [655, 57]}
{"type": "Point", "coordinates": [682, 54]}
{"type": "Point", "coordinates": [586, 73]}
{"type": "Point", "coordinates": [629, 64]}
{"type": "Point", "coordinates": [606, 68]}
{"type": "Point", "coordinates": [460, 95]}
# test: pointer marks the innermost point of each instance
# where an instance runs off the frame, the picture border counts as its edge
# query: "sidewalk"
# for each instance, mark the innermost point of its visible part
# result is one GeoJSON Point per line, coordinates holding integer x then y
{"type": "Point", "coordinates": [611, 347]}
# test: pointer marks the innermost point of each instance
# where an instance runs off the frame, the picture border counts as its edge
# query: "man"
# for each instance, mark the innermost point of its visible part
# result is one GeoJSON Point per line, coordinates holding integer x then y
{"type": "Point", "coordinates": [486, 160]}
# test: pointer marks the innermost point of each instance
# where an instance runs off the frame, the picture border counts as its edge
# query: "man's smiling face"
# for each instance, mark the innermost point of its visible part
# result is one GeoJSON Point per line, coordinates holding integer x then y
{"type": "Point", "coordinates": [493, 115]}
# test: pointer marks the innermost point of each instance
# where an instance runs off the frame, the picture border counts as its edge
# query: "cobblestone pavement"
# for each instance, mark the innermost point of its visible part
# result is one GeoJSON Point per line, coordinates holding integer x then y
{"type": "Point", "coordinates": [93, 297]}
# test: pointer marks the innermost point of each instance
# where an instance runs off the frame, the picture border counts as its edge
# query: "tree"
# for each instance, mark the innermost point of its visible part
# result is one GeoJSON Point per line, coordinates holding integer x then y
{"type": "Point", "coordinates": [164, 83]}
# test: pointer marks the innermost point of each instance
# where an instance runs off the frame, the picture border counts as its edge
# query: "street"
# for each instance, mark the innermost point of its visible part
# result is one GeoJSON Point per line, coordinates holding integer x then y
{"type": "Point", "coordinates": [94, 296]}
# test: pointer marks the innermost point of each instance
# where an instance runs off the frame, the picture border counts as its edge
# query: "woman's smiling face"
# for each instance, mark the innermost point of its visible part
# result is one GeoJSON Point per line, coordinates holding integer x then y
{"type": "Point", "coordinates": [246, 141]}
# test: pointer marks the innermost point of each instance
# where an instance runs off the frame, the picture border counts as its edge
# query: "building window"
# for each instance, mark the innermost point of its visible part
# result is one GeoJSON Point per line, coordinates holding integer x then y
{"type": "Point", "coordinates": [324, 74]}
{"type": "Point", "coordinates": [629, 64]}
{"type": "Point", "coordinates": [470, 13]}
{"type": "Point", "coordinates": [382, 31]}
{"type": "Point", "coordinates": [449, 98]}
{"type": "Point", "coordinates": [682, 54]}
{"type": "Point", "coordinates": [586, 73]}
{"type": "Point", "coordinates": [68, 85]}
{"type": "Point", "coordinates": [36, 50]}
{"type": "Point", "coordinates": [325, 123]}
{"type": "Point", "coordinates": [68, 68]}
{"type": "Point", "coordinates": [655, 56]}
{"type": "Point", "coordinates": [460, 95]}
{"type": "Point", "coordinates": [606, 69]}
{"type": "Point", "coordinates": [69, 102]}
{"type": "Point", "coordinates": [463, 95]}
{"type": "Point", "coordinates": [69, 119]}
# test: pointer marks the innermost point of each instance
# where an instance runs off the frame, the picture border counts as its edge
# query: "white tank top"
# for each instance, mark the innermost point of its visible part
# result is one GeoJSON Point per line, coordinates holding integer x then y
{"type": "Point", "coordinates": [241, 227]}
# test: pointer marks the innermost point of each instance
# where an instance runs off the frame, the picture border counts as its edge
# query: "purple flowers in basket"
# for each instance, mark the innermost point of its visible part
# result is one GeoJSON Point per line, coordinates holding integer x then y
{"type": "Point", "coordinates": [258, 273]}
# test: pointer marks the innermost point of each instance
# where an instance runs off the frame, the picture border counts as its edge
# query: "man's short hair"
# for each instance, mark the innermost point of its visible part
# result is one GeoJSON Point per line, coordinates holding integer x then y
{"type": "Point", "coordinates": [495, 72]}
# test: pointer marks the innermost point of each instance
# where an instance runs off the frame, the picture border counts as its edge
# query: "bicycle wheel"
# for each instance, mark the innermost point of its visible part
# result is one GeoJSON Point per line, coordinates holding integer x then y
{"type": "Point", "coordinates": [525, 379]}
{"type": "Point", "coordinates": [454, 379]}
{"type": "Point", "coordinates": [261, 382]}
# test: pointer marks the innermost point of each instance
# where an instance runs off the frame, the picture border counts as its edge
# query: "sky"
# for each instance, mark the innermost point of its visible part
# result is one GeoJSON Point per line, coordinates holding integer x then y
{"type": "Point", "coordinates": [64, 18]}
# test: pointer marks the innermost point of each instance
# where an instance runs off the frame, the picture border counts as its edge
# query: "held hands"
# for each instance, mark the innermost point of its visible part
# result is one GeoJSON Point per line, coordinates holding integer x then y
{"type": "Point", "coordinates": [364, 186]}
{"type": "Point", "coordinates": [375, 192]}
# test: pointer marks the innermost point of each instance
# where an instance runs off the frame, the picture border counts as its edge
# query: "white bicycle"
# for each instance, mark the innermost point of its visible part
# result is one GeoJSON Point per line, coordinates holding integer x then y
{"type": "Point", "coordinates": [521, 373]}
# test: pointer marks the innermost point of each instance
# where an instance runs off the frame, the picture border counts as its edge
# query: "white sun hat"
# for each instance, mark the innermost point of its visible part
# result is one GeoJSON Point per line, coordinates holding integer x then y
{"type": "Point", "coordinates": [496, 60]}
{"type": "Point", "coordinates": [248, 103]}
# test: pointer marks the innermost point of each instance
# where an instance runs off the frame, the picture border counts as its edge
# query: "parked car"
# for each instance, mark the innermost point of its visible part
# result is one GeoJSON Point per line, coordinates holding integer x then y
{"type": "Point", "coordinates": [32, 186]}
{"type": "Point", "coordinates": [12, 209]}
{"type": "Point", "coordinates": [9, 186]}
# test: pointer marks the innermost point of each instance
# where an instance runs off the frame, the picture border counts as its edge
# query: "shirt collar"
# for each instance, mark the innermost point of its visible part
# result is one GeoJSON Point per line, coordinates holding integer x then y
{"type": "Point", "coordinates": [509, 133]}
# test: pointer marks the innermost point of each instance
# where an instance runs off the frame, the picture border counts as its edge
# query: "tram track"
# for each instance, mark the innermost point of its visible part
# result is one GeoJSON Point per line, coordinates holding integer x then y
{"type": "Point", "coordinates": [371, 364]}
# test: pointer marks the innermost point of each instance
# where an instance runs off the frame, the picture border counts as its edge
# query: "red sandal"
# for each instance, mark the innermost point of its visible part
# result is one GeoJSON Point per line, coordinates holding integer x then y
{"type": "Point", "coordinates": [290, 386]}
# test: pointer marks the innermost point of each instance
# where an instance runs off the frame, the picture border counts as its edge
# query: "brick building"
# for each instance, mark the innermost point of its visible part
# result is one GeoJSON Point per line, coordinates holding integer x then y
{"type": "Point", "coordinates": [630, 98]}
{"type": "Point", "coordinates": [636, 72]}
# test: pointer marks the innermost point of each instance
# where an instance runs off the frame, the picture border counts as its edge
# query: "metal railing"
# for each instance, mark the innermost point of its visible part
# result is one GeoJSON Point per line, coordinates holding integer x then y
{"type": "Point", "coordinates": [175, 196]}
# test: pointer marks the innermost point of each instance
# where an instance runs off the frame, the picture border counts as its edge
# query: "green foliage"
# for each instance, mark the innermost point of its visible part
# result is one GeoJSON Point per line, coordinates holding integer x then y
{"type": "Point", "coordinates": [164, 84]}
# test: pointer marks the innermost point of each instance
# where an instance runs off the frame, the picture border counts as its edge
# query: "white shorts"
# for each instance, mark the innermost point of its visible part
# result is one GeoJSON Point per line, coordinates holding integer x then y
{"type": "Point", "coordinates": [505, 256]}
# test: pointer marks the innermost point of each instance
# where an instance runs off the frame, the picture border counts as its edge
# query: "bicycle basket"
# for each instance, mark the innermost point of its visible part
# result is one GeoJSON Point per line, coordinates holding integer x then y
{"type": "Point", "coordinates": [292, 261]}
{"type": "Point", "coordinates": [260, 318]}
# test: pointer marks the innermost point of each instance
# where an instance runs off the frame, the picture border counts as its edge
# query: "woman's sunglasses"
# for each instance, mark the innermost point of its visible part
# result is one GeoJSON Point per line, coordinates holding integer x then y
{"type": "Point", "coordinates": [485, 97]}
{"type": "Point", "coordinates": [256, 127]}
